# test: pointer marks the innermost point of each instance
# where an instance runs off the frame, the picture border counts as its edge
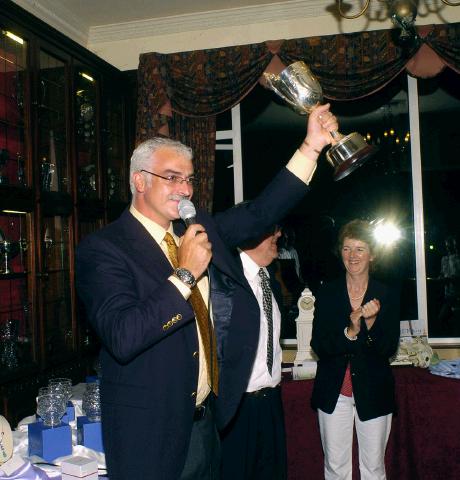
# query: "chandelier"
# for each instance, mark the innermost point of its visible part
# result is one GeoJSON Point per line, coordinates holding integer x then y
{"type": "Point", "coordinates": [401, 12]}
{"type": "Point", "coordinates": [399, 8]}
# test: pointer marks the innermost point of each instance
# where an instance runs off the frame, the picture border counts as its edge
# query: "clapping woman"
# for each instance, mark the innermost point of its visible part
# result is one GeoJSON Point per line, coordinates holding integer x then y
{"type": "Point", "coordinates": [355, 332]}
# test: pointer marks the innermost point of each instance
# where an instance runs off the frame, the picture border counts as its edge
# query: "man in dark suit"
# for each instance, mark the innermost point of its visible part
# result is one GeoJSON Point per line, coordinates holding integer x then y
{"type": "Point", "coordinates": [254, 441]}
{"type": "Point", "coordinates": [146, 298]}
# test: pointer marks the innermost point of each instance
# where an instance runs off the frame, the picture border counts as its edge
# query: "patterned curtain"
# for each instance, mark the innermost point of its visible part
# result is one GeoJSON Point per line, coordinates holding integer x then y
{"type": "Point", "coordinates": [151, 119]}
{"type": "Point", "coordinates": [349, 66]}
{"type": "Point", "coordinates": [200, 84]}
{"type": "Point", "coordinates": [201, 133]}
{"type": "Point", "coordinates": [354, 65]}
{"type": "Point", "coordinates": [196, 86]}
{"type": "Point", "coordinates": [445, 41]}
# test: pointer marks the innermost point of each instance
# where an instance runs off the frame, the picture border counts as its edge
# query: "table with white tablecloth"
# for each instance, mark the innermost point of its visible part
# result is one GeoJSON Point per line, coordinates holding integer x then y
{"type": "Point", "coordinates": [38, 468]}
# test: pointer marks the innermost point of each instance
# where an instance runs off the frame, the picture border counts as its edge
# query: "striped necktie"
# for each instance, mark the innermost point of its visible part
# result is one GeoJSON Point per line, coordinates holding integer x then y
{"type": "Point", "coordinates": [202, 319]}
{"type": "Point", "coordinates": [268, 310]}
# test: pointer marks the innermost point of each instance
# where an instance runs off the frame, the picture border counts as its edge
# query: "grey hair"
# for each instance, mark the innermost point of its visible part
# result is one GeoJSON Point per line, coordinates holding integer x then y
{"type": "Point", "coordinates": [141, 159]}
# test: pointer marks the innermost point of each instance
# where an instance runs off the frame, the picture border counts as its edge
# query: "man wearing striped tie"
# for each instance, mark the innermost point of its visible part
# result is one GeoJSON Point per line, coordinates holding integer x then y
{"type": "Point", "coordinates": [254, 442]}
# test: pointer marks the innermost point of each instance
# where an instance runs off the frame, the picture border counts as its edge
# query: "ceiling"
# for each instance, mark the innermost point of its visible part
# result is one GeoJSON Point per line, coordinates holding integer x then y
{"type": "Point", "coordinates": [104, 12]}
{"type": "Point", "coordinates": [94, 21]}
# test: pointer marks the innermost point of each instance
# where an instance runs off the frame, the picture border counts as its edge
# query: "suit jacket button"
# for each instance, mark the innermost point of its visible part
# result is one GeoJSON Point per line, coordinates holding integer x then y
{"type": "Point", "coordinates": [193, 394]}
{"type": "Point", "coordinates": [195, 354]}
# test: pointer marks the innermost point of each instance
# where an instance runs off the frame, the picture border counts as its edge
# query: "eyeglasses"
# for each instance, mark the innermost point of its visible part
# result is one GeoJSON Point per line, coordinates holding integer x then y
{"type": "Point", "coordinates": [175, 179]}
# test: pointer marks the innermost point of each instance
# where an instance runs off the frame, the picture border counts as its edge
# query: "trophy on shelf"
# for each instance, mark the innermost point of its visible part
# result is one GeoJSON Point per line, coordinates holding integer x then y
{"type": "Point", "coordinates": [113, 183]}
{"type": "Point", "coordinates": [87, 181]}
{"type": "Point", "coordinates": [298, 87]}
{"type": "Point", "coordinates": [21, 171]}
{"type": "Point", "coordinates": [8, 250]}
{"type": "Point", "coordinates": [47, 173]}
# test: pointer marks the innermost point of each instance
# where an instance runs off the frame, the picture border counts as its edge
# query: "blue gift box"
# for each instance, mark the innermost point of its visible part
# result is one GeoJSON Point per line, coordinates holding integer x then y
{"type": "Point", "coordinates": [89, 434]}
{"type": "Point", "coordinates": [49, 442]}
{"type": "Point", "coordinates": [69, 415]}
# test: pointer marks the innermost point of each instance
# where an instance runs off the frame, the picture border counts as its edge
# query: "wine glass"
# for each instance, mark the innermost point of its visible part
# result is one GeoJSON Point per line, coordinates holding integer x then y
{"type": "Point", "coordinates": [51, 408]}
{"type": "Point", "coordinates": [61, 385]}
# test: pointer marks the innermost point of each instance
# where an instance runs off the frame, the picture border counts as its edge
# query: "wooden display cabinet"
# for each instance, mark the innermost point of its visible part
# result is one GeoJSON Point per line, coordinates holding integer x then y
{"type": "Point", "coordinates": [63, 175]}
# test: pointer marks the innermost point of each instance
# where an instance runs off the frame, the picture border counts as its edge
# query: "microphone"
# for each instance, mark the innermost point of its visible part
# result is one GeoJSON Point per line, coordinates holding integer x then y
{"type": "Point", "coordinates": [187, 211]}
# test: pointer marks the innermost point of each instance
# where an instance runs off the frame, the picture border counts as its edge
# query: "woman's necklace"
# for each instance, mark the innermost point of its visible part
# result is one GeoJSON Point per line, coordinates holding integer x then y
{"type": "Point", "coordinates": [361, 296]}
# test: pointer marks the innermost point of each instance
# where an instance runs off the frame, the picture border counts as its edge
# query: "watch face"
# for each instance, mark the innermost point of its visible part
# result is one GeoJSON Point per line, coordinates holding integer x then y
{"type": "Point", "coordinates": [185, 276]}
{"type": "Point", "coordinates": [306, 303]}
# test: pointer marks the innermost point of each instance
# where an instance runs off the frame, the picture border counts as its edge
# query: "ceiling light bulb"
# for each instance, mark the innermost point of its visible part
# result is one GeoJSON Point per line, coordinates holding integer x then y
{"type": "Point", "coordinates": [404, 11]}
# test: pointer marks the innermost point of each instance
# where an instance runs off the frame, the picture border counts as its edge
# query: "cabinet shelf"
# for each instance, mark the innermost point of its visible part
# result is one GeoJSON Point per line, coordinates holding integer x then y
{"type": "Point", "coordinates": [19, 199]}
{"type": "Point", "coordinates": [13, 275]}
{"type": "Point", "coordinates": [56, 203]}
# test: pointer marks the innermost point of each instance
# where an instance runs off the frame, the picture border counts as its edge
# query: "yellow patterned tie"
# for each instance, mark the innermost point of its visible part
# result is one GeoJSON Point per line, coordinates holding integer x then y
{"type": "Point", "coordinates": [204, 325]}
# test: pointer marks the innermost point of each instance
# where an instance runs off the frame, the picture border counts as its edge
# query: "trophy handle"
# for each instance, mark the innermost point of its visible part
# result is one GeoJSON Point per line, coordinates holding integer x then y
{"type": "Point", "coordinates": [272, 80]}
{"type": "Point", "coordinates": [336, 135]}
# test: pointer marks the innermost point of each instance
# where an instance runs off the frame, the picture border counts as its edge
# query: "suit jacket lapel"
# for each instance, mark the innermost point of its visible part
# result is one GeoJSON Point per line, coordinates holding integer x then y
{"type": "Point", "coordinates": [143, 247]}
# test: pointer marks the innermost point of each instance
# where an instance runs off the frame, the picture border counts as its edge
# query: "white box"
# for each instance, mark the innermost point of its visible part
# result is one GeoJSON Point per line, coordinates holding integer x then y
{"type": "Point", "coordinates": [13, 464]}
{"type": "Point", "coordinates": [91, 476]}
{"type": "Point", "coordinates": [79, 467]}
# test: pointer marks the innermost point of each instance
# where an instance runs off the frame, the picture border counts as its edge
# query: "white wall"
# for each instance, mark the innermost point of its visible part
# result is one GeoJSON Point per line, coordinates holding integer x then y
{"type": "Point", "coordinates": [124, 52]}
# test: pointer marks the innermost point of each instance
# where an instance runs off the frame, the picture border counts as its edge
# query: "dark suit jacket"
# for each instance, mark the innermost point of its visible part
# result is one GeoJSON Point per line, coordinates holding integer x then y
{"type": "Point", "coordinates": [149, 336]}
{"type": "Point", "coordinates": [373, 384]}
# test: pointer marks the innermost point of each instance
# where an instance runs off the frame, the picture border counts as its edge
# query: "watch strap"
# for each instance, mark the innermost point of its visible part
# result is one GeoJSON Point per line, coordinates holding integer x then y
{"type": "Point", "coordinates": [185, 276]}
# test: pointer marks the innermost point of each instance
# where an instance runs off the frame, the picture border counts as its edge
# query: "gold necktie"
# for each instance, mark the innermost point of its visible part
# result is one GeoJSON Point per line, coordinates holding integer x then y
{"type": "Point", "coordinates": [204, 325]}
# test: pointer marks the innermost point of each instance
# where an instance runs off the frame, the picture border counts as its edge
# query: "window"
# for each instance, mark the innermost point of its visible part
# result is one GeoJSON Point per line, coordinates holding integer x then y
{"type": "Point", "coordinates": [411, 181]}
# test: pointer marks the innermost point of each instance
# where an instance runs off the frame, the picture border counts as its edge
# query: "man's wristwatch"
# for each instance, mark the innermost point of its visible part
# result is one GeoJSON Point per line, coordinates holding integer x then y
{"type": "Point", "coordinates": [185, 276]}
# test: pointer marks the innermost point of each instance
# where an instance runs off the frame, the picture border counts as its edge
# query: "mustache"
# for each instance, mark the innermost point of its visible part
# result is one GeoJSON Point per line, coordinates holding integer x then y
{"type": "Point", "coordinates": [177, 198]}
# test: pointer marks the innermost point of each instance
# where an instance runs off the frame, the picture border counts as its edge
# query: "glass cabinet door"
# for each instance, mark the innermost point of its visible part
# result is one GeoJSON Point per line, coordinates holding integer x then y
{"type": "Point", "coordinates": [56, 288]}
{"type": "Point", "coordinates": [113, 146]}
{"type": "Point", "coordinates": [86, 138]}
{"type": "Point", "coordinates": [16, 330]}
{"type": "Point", "coordinates": [87, 338]}
{"type": "Point", "coordinates": [13, 71]}
{"type": "Point", "coordinates": [52, 133]}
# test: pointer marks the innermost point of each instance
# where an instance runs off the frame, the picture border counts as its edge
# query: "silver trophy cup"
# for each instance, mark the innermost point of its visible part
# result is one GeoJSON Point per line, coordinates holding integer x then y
{"type": "Point", "coordinates": [298, 87]}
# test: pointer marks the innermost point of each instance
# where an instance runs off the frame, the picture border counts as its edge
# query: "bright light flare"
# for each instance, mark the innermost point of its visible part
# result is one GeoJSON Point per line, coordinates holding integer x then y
{"type": "Point", "coordinates": [88, 77]}
{"type": "Point", "coordinates": [386, 233]}
{"type": "Point", "coordinates": [14, 37]}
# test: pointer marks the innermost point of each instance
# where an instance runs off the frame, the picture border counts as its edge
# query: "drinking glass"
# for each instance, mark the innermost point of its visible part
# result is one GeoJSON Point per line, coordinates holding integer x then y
{"type": "Point", "coordinates": [91, 402]}
{"type": "Point", "coordinates": [61, 385]}
{"type": "Point", "coordinates": [51, 408]}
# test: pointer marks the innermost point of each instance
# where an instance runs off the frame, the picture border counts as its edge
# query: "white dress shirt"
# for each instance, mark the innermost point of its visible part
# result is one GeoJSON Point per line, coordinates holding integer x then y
{"type": "Point", "coordinates": [260, 378]}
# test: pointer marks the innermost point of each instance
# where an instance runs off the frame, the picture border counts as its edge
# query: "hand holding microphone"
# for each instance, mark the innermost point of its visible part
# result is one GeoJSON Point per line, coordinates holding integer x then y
{"type": "Point", "coordinates": [195, 250]}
